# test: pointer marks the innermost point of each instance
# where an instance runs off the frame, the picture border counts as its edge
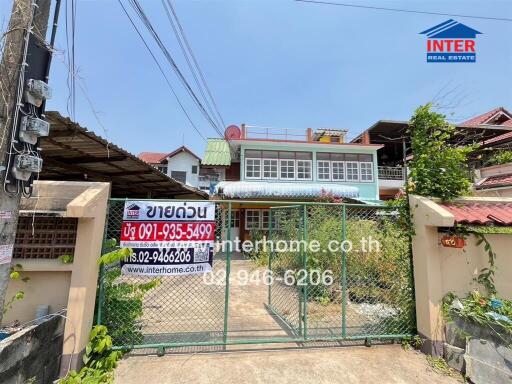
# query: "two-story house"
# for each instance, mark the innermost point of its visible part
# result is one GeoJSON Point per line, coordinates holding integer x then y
{"type": "Point", "coordinates": [181, 164]}
{"type": "Point", "coordinates": [288, 165]}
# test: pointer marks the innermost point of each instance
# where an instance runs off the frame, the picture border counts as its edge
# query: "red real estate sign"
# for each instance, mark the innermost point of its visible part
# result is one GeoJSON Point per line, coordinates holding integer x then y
{"type": "Point", "coordinates": [168, 238]}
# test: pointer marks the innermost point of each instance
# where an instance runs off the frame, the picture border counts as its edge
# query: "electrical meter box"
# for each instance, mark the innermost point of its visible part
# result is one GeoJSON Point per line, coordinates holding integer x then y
{"type": "Point", "coordinates": [31, 128]}
{"type": "Point", "coordinates": [25, 165]}
{"type": "Point", "coordinates": [37, 91]}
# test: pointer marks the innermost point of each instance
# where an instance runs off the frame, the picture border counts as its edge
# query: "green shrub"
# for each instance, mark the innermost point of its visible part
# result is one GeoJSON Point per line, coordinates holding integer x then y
{"type": "Point", "coordinates": [438, 167]}
{"type": "Point", "coordinates": [99, 360]}
{"type": "Point", "coordinates": [502, 157]}
{"type": "Point", "coordinates": [122, 299]}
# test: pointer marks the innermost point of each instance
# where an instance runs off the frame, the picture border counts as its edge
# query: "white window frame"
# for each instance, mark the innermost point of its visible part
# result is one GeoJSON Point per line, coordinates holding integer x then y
{"type": "Point", "coordinates": [245, 170]}
{"type": "Point", "coordinates": [346, 170]}
{"type": "Point", "coordinates": [342, 163]}
{"type": "Point", "coordinates": [235, 218]}
{"type": "Point", "coordinates": [263, 169]}
{"type": "Point", "coordinates": [247, 227]}
{"type": "Point", "coordinates": [310, 169]}
{"type": "Point", "coordinates": [328, 170]}
{"type": "Point", "coordinates": [294, 169]}
{"type": "Point", "coordinates": [162, 168]}
{"type": "Point", "coordinates": [260, 224]}
{"type": "Point", "coordinates": [361, 172]}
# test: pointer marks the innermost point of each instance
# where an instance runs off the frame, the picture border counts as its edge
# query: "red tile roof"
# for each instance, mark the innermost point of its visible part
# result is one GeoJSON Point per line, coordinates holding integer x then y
{"type": "Point", "coordinates": [157, 157]}
{"type": "Point", "coordinates": [481, 213]}
{"type": "Point", "coordinates": [505, 136]}
{"type": "Point", "coordinates": [483, 118]}
{"type": "Point", "coordinates": [495, 181]}
{"type": "Point", "coordinates": [487, 118]}
{"type": "Point", "coordinates": [152, 157]}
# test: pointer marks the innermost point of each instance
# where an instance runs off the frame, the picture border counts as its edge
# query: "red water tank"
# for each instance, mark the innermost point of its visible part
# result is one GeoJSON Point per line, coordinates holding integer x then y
{"type": "Point", "coordinates": [232, 132]}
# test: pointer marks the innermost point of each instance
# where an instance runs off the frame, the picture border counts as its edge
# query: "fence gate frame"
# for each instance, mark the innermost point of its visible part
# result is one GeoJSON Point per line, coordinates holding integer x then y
{"type": "Point", "coordinates": [300, 332]}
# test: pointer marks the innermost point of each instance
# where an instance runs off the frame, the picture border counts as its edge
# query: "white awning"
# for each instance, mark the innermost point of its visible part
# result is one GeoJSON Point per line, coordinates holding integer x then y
{"type": "Point", "coordinates": [256, 189]}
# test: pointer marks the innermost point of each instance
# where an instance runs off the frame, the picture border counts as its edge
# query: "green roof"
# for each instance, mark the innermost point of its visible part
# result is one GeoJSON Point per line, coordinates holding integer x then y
{"type": "Point", "coordinates": [217, 153]}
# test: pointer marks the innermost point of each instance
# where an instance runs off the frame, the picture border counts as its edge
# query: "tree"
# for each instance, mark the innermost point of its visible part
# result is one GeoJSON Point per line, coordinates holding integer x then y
{"type": "Point", "coordinates": [439, 166]}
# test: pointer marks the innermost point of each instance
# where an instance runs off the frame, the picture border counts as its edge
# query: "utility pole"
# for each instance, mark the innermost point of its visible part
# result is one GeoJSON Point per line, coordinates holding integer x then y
{"type": "Point", "coordinates": [26, 15]}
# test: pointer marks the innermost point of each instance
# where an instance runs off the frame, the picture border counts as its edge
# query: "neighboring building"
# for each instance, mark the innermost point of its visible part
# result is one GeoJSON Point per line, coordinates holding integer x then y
{"type": "Point", "coordinates": [498, 118]}
{"type": "Point", "coordinates": [182, 164]}
{"type": "Point", "coordinates": [495, 180]}
{"type": "Point", "coordinates": [216, 165]}
{"type": "Point", "coordinates": [287, 165]}
{"type": "Point", "coordinates": [493, 130]}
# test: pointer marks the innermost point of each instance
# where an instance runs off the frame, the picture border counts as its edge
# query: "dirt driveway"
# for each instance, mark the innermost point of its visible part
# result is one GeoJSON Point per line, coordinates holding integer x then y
{"type": "Point", "coordinates": [344, 365]}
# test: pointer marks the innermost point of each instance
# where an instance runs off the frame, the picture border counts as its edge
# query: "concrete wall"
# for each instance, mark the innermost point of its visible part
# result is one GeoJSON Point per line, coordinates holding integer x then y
{"type": "Point", "coordinates": [439, 270]}
{"type": "Point", "coordinates": [495, 192]}
{"type": "Point", "coordinates": [48, 285]}
{"type": "Point", "coordinates": [69, 286]}
{"type": "Point", "coordinates": [460, 266]}
{"type": "Point", "coordinates": [184, 161]}
{"type": "Point", "coordinates": [33, 354]}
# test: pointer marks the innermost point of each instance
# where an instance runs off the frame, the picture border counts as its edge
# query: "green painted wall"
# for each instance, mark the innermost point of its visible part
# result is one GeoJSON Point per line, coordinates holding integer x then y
{"type": "Point", "coordinates": [367, 190]}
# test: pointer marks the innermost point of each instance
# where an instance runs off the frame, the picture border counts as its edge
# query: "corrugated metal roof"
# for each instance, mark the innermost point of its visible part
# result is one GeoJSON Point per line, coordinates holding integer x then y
{"type": "Point", "coordinates": [255, 189]}
{"type": "Point", "coordinates": [71, 152]}
{"type": "Point", "coordinates": [480, 213]}
{"type": "Point", "coordinates": [217, 153]}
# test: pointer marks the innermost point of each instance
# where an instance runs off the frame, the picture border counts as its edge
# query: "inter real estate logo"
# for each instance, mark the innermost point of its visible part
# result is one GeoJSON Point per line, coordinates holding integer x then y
{"type": "Point", "coordinates": [132, 212]}
{"type": "Point", "coordinates": [451, 42]}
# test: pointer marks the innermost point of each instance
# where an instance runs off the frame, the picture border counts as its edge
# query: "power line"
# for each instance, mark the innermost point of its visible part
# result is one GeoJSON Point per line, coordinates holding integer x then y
{"type": "Point", "coordinates": [70, 52]}
{"type": "Point", "coordinates": [189, 64]}
{"type": "Point", "coordinates": [147, 23]}
{"type": "Point", "coordinates": [161, 70]}
{"type": "Point", "coordinates": [203, 80]}
{"type": "Point", "coordinates": [403, 10]}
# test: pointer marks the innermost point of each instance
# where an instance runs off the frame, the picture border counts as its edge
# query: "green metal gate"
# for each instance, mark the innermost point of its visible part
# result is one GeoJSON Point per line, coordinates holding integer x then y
{"type": "Point", "coordinates": [299, 294]}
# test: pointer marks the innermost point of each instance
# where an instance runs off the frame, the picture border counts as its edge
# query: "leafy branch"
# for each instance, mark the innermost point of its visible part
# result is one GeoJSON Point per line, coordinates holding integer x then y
{"type": "Point", "coordinates": [486, 275]}
{"type": "Point", "coordinates": [439, 166]}
{"type": "Point", "coordinates": [15, 274]}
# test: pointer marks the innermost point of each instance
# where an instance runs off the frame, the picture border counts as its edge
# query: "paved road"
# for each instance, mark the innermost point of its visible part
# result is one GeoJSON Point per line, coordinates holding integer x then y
{"type": "Point", "coordinates": [345, 365]}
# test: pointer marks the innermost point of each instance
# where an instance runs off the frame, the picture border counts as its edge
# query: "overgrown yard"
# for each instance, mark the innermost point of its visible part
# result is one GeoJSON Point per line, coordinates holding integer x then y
{"type": "Point", "coordinates": [372, 281]}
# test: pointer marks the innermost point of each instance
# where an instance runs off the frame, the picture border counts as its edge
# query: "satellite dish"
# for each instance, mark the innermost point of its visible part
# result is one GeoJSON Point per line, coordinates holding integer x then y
{"type": "Point", "coordinates": [232, 132]}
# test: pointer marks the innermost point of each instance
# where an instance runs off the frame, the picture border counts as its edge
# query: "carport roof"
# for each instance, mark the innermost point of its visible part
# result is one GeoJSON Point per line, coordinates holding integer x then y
{"type": "Point", "coordinates": [73, 153]}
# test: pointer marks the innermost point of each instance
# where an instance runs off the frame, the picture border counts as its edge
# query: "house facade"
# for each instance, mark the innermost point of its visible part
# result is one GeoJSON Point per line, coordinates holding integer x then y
{"type": "Point", "coordinates": [181, 164]}
{"type": "Point", "coordinates": [288, 166]}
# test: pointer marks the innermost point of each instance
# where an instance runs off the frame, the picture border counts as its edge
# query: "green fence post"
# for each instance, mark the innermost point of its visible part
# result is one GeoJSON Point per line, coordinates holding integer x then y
{"type": "Point", "coordinates": [101, 297]}
{"type": "Point", "coordinates": [305, 260]}
{"type": "Point", "coordinates": [228, 271]}
{"type": "Point", "coordinates": [343, 272]}
{"type": "Point", "coordinates": [270, 254]}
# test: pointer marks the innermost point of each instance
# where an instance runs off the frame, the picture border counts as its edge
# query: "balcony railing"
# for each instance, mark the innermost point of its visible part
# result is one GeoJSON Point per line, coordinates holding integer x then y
{"type": "Point", "coordinates": [391, 173]}
{"type": "Point", "coordinates": [272, 133]}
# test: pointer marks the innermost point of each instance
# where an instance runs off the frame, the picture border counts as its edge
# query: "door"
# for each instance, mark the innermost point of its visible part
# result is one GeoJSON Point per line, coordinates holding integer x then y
{"type": "Point", "coordinates": [235, 224]}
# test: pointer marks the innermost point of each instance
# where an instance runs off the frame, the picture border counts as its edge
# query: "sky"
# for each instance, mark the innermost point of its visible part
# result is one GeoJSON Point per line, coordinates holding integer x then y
{"type": "Point", "coordinates": [278, 63]}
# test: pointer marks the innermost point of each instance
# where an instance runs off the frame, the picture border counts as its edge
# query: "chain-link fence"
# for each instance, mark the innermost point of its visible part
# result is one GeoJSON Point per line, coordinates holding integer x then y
{"type": "Point", "coordinates": [327, 271]}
